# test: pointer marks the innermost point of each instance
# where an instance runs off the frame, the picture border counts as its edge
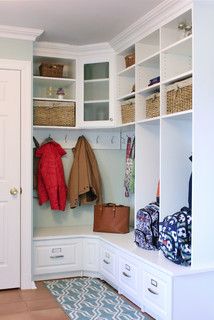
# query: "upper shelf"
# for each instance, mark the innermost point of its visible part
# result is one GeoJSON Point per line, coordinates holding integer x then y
{"type": "Point", "coordinates": [127, 96]}
{"type": "Point", "coordinates": [151, 59]}
{"type": "Point", "coordinates": [176, 30]}
{"type": "Point", "coordinates": [69, 66]}
{"type": "Point", "coordinates": [148, 46]}
{"type": "Point", "coordinates": [181, 47]}
{"type": "Point", "coordinates": [39, 80]}
{"type": "Point", "coordinates": [54, 99]}
{"type": "Point", "coordinates": [128, 72]}
{"type": "Point", "coordinates": [96, 80]}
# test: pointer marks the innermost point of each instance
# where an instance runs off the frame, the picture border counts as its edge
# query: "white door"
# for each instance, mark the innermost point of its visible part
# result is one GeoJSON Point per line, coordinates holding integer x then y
{"type": "Point", "coordinates": [9, 179]}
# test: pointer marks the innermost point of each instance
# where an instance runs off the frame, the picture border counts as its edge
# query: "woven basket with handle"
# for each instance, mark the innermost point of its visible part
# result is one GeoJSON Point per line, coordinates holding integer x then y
{"type": "Point", "coordinates": [51, 113]}
{"type": "Point", "coordinates": [153, 105]}
{"type": "Point", "coordinates": [47, 69]}
{"type": "Point", "coordinates": [128, 111]}
{"type": "Point", "coordinates": [130, 59]}
{"type": "Point", "coordinates": [179, 96]}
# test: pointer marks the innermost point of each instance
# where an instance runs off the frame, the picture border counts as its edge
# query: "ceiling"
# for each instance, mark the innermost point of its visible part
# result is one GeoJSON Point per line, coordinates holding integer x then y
{"type": "Point", "coordinates": [77, 22]}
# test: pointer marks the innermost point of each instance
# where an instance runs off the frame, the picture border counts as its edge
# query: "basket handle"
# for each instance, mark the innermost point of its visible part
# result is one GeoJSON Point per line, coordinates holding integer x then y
{"type": "Point", "coordinates": [178, 90]}
{"type": "Point", "coordinates": [154, 96]}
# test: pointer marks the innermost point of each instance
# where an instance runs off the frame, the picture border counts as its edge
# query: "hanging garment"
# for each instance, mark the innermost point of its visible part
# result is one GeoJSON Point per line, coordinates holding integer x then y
{"type": "Point", "coordinates": [129, 179]}
{"type": "Point", "coordinates": [84, 182]}
{"type": "Point", "coordinates": [51, 181]}
{"type": "Point", "coordinates": [35, 164]}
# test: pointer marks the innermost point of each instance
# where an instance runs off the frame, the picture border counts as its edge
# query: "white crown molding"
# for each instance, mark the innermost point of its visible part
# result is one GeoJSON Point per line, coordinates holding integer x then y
{"type": "Point", "coordinates": [53, 49]}
{"type": "Point", "coordinates": [100, 48]}
{"type": "Point", "coordinates": [19, 33]}
{"type": "Point", "coordinates": [149, 22]}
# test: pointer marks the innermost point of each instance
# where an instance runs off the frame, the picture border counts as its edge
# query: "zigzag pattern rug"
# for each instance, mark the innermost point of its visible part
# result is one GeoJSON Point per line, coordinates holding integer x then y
{"type": "Point", "coordinates": [91, 299]}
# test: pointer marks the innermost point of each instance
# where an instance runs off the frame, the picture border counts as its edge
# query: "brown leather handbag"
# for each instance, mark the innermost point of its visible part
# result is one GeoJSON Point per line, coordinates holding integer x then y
{"type": "Point", "coordinates": [109, 217]}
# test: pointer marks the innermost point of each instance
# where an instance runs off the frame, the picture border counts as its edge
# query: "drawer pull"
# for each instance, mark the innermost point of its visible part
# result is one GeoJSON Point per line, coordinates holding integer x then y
{"type": "Point", "coordinates": [56, 257]}
{"type": "Point", "coordinates": [154, 283]}
{"type": "Point", "coordinates": [126, 275]}
{"type": "Point", "coordinates": [107, 255]}
{"type": "Point", "coordinates": [106, 262]}
{"type": "Point", "coordinates": [127, 267]}
{"type": "Point", "coordinates": [153, 292]}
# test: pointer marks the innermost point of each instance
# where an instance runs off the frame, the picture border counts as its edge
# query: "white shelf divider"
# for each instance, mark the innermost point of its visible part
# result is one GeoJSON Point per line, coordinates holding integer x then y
{"type": "Point", "coordinates": [127, 96]}
{"type": "Point", "coordinates": [47, 79]}
{"type": "Point", "coordinates": [54, 99]}
{"type": "Point", "coordinates": [96, 101]}
{"type": "Point", "coordinates": [96, 80]}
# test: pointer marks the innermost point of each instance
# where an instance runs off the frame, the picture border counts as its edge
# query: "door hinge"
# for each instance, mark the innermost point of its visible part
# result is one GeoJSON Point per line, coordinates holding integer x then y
{"type": "Point", "coordinates": [20, 190]}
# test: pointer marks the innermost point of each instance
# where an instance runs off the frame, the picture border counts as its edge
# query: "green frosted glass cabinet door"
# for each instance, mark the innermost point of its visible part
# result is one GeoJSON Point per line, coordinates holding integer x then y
{"type": "Point", "coordinates": [96, 91]}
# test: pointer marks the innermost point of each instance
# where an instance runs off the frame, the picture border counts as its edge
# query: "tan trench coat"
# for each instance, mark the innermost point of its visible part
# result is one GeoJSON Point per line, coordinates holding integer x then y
{"type": "Point", "coordinates": [84, 185]}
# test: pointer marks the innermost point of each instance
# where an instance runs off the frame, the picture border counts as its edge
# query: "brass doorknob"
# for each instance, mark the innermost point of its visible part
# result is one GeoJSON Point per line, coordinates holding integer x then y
{"type": "Point", "coordinates": [14, 191]}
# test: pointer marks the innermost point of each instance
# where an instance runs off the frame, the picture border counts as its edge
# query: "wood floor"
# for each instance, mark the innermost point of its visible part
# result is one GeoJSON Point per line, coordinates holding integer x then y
{"type": "Point", "coordinates": [30, 305]}
{"type": "Point", "coordinates": [39, 304]}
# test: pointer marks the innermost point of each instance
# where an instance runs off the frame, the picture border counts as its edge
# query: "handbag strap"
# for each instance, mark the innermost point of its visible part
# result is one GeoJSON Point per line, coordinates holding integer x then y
{"type": "Point", "coordinates": [109, 205]}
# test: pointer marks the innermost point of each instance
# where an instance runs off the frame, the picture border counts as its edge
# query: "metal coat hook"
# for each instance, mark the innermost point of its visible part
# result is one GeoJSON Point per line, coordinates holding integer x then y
{"type": "Point", "coordinates": [112, 139]}
{"type": "Point", "coordinates": [97, 139]}
{"type": "Point", "coordinates": [123, 139]}
{"type": "Point", "coordinates": [66, 138]}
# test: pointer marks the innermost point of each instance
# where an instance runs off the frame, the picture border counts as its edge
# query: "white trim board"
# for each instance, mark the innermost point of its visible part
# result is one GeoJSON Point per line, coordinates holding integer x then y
{"type": "Point", "coordinates": [54, 49]}
{"type": "Point", "coordinates": [25, 67]}
{"type": "Point", "coordinates": [19, 32]}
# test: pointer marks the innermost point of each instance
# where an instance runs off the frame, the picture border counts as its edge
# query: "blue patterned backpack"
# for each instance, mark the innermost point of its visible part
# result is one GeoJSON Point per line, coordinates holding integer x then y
{"type": "Point", "coordinates": [147, 227]}
{"type": "Point", "coordinates": [175, 237]}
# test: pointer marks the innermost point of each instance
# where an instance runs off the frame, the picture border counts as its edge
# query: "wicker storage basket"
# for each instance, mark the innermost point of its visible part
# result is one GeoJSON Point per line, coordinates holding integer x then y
{"type": "Point", "coordinates": [153, 105]}
{"type": "Point", "coordinates": [130, 59]}
{"type": "Point", "coordinates": [51, 70]}
{"type": "Point", "coordinates": [128, 111]}
{"type": "Point", "coordinates": [50, 113]}
{"type": "Point", "coordinates": [179, 96]}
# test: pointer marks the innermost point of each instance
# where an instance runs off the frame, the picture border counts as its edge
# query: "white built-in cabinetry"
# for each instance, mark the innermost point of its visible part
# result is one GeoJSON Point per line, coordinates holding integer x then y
{"type": "Point", "coordinates": [156, 285]}
{"type": "Point", "coordinates": [87, 81]}
{"type": "Point", "coordinates": [163, 143]}
{"type": "Point", "coordinates": [163, 147]}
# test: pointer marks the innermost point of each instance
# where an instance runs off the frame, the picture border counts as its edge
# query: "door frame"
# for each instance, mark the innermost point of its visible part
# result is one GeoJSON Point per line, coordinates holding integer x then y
{"type": "Point", "coordinates": [25, 67]}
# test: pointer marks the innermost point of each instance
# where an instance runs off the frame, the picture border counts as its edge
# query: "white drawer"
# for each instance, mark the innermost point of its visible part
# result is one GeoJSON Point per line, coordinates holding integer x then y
{"type": "Point", "coordinates": [57, 256]}
{"type": "Point", "coordinates": [156, 292]}
{"type": "Point", "coordinates": [108, 263]}
{"type": "Point", "coordinates": [129, 276]}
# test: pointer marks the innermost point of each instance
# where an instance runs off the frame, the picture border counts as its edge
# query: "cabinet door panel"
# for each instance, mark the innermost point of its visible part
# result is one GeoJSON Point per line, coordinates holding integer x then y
{"type": "Point", "coordinates": [156, 292]}
{"type": "Point", "coordinates": [91, 255]}
{"type": "Point", "coordinates": [97, 96]}
{"type": "Point", "coordinates": [129, 277]}
{"type": "Point", "coordinates": [57, 256]}
{"type": "Point", "coordinates": [108, 264]}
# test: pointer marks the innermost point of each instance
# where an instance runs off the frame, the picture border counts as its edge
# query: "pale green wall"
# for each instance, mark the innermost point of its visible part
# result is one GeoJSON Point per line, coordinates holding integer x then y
{"type": "Point", "coordinates": [112, 165]}
{"type": "Point", "coordinates": [16, 49]}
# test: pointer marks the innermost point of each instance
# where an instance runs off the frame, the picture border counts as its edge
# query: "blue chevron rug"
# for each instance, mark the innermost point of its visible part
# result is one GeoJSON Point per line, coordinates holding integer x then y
{"type": "Point", "coordinates": [91, 299]}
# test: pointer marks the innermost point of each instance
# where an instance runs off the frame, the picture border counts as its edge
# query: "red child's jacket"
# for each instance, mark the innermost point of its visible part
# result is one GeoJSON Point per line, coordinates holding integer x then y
{"type": "Point", "coordinates": [51, 180]}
